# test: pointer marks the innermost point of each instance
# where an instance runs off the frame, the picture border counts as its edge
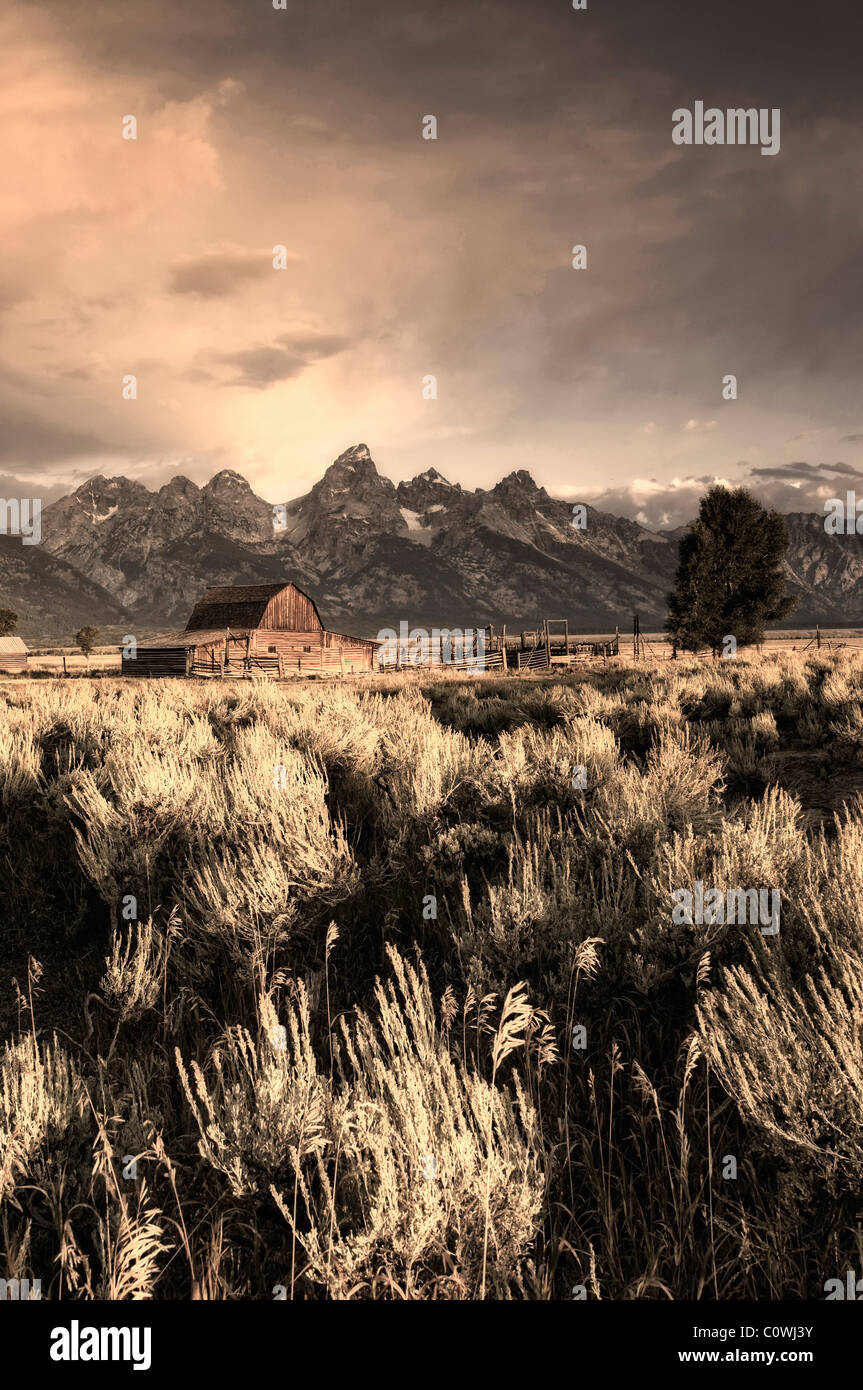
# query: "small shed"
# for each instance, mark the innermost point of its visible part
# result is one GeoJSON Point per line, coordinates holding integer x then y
{"type": "Point", "coordinates": [249, 629]}
{"type": "Point", "coordinates": [13, 655]}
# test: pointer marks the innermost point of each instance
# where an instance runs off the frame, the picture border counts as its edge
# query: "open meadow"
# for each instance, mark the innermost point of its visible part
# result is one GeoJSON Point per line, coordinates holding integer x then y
{"type": "Point", "coordinates": [376, 989]}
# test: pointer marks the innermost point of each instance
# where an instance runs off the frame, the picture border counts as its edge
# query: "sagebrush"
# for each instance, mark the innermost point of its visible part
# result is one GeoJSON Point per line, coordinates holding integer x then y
{"type": "Point", "coordinates": [297, 972]}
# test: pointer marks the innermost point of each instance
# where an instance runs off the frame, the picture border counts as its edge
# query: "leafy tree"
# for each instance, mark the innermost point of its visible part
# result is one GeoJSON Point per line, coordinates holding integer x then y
{"type": "Point", "coordinates": [86, 639]}
{"type": "Point", "coordinates": [730, 579]}
{"type": "Point", "coordinates": [8, 621]}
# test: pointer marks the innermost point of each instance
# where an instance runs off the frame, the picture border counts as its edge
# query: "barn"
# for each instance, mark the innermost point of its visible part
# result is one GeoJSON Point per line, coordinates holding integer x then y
{"type": "Point", "coordinates": [13, 655]}
{"type": "Point", "coordinates": [253, 629]}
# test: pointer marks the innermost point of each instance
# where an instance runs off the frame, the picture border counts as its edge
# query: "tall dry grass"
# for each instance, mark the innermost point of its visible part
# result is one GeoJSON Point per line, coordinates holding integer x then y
{"type": "Point", "coordinates": [352, 992]}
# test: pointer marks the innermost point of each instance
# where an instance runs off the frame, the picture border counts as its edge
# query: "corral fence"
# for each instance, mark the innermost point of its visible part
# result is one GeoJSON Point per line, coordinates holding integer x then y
{"type": "Point", "coordinates": [484, 649]}
{"type": "Point", "coordinates": [551, 646]}
{"type": "Point", "coordinates": [658, 647]}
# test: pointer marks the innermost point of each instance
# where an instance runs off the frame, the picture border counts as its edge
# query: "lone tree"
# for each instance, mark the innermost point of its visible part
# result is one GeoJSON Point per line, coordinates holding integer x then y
{"type": "Point", "coordinates": [8, 621]}
{"type": "Point", "coordinates": [86, 639]}
{"type": "Point", "coordinates": [730, 580]}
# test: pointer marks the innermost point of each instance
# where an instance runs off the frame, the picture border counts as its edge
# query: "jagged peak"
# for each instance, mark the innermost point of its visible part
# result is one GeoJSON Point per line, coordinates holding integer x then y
{"type": "Point", "coordinates": [179, 483]}
{"type": "Point", "coordinates": [226, 477]}
{"type": "Point", "coordinates": [357, 453]}
{"type": "Point", "coordinates": [99, 483]}
{"type": "Point", "coordinates": [520, 478]}
{"type": "Point", "coordinates": [354, 468]}
{"type": "Point", "coordinates": [519, 484]}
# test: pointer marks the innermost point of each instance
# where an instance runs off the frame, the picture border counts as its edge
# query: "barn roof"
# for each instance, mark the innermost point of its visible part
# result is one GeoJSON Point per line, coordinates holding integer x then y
{"type": "Point", "coordinates": [12, 646]}
{"type": "Point", "coordinates": [201, 637]}
{"type": "Point", "coordinates": [238, 605]}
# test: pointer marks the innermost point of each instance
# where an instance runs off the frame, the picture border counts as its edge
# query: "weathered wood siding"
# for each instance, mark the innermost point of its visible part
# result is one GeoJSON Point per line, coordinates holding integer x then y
{"type": "Point", "coordinates": [13, 654]}
{"type": "Point", "coordinates": [155, 661]}
{"type": "Point", "coordinates": [242, 606]}
{"type": "Point", "coordinates": [307, 651]}
{"type": "Point", "coordinates": [250, 629]}
{"type": "Point", "coordinates": [292, 611]}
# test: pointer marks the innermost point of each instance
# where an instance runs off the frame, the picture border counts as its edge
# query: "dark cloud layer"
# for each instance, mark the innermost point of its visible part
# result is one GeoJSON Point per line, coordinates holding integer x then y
{"type": "Point", "coordinates": [408, 257]}
{"type": "Point", "coordinates": [217, 276]}
{"type": "Point", "coordinates": [30, 438]}
{"type": "Point", "coordinates": [265, 365]}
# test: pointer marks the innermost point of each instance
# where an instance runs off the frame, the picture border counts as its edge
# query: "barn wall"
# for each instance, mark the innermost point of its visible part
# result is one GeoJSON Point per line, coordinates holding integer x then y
{"type": "Point", "coordinates": [12, 665]}
{"type": "Point", "coordinates": [298, 652]}
{"type": "Point", "coordinates": [156, 661]}
{"type": "Point", "coordinates": [291, 611]}
{"type": "Point", "coordinates": [210, 655]}
{"type": "Point", "coordinates": [316, 650]}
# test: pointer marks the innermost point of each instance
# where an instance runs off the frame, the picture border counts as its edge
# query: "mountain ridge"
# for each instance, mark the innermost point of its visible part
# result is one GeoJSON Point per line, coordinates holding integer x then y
{"type": "Point", "coordinates": [372, 553]}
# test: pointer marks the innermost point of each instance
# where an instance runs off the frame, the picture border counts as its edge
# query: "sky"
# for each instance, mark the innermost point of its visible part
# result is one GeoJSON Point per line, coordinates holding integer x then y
{"type": "Point", "coordinates": [407, 258]}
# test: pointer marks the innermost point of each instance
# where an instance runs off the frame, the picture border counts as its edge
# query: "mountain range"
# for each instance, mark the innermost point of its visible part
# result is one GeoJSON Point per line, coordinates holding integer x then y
{"type": "Point", "coordinates": [126, 559]}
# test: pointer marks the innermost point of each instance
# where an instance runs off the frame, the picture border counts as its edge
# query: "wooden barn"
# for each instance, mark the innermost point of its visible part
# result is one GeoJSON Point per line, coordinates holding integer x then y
{"type": "Point", "coordinates": [253, 629]}
{"type": "Point", "coordinates": [13, 655]}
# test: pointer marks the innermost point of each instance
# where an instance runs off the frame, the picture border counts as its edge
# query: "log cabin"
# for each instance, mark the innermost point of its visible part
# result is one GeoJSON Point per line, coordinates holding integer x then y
{"type": "Point", "coordinates": [13, 655]}
{"type": "Point", "coordinates": [253, 629]}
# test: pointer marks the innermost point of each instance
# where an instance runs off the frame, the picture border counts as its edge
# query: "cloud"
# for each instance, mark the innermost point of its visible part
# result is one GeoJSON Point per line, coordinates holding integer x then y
{"type": "Point", "coordinates": [786, 487]}
{"type": "Point", "coordinates": [12, 486]}
{"type": "Point", "coordinates": [263, 366]}
{"type": "Point", "coordinates": [659, 506]}
{"type": "Point", "coordinates": [33, 439]}
{"type": "Point", "coordinates": [220, 273]}
{"type": "Point", "coordinates": [258, 368]}
{"type": "Point", "coordinates": [11, 294]}
{"type": "Point", "coordinates": [448, 257]}
{"type": "Point", "coordinates": [799, 473]}
{"type": "Point", "coordinates": [313, 345]}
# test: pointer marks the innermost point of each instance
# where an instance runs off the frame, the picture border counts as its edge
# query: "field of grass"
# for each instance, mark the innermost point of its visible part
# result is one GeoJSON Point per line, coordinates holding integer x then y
{"type": "Point", "coordinates": [353, 991]}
